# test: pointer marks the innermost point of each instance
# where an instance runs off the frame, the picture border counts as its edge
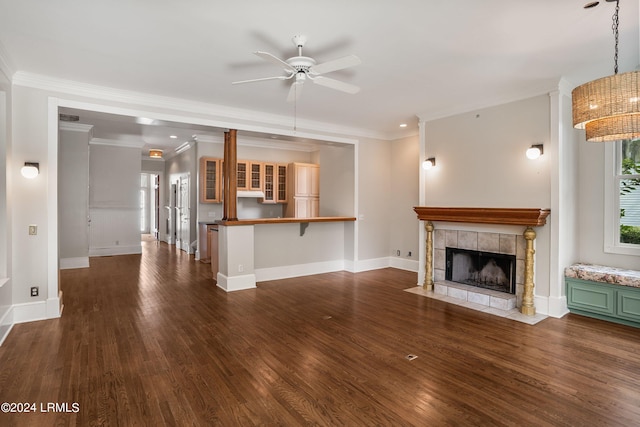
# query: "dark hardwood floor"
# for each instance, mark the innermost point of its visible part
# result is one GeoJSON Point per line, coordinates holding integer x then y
{"type": "Point", "coordinates": [150, 340]}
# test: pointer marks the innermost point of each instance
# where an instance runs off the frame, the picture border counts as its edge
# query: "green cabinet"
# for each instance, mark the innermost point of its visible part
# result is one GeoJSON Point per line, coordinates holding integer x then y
{"type": "Point", "coordinates": [616, 303]}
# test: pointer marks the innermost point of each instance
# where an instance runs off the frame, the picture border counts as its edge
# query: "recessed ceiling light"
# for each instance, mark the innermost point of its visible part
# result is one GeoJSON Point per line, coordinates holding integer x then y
{"type": "Point", "coordinates": [403, 125]}
{"type": "Point", "coordinates": [173, 136]}
{"type": "Point", "coordinates": [144, 121]}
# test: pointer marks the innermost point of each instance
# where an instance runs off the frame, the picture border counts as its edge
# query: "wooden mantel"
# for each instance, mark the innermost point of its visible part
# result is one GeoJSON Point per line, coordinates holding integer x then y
{"type": "Point", "coordinates": [511, 216]}
{"type": "Point", "coordinates": [515, 216]}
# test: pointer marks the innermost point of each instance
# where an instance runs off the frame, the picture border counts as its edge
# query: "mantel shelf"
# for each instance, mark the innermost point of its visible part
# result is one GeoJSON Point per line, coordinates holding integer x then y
{"type": "Point", "coordinates": [508, 216]}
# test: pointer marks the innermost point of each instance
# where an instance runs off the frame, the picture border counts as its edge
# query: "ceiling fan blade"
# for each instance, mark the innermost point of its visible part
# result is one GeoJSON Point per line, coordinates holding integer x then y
{"type": "Point", "coordinates": [335, 65]}
{"type": "Point", "coordinates": [275, 60]}
{"type": "Point", "coordinates": [295, 91]}
{"type": "Point", "coordinates": [260, 80]}
{"type": "Point", "coordinates": [336, 84]}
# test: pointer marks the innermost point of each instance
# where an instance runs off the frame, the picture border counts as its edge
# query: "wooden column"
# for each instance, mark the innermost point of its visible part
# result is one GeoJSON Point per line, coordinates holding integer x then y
{"type": "Point", "coordinates": [230, 176]}
{"type": "Point", "coordinates": [428, 266]}
{"type": "Point", "coordinates": [528, 307]}
{"type": "Point", "coordinates": [225, 178]}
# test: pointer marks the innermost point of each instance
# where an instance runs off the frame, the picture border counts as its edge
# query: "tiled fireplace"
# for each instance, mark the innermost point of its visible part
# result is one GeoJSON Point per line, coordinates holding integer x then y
{"type": "Point", "coordinates": [511, 245]}
{"type": "Point", "coordinates": [490, 247]}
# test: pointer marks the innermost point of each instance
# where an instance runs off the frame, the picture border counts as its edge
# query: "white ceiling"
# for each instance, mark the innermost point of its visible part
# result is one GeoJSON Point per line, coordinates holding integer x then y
{"type": "Point", "coordinates": [419, 57]}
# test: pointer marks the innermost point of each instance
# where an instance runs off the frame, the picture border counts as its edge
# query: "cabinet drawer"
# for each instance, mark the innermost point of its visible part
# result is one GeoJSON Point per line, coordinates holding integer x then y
{"type": "Point", "coordinates": [628, 306]}
{"type": "Point", "coordinates": [590, 297]}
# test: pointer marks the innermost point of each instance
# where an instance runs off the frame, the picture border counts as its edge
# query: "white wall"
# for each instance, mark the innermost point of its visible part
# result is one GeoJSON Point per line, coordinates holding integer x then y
{"type": "Point", "coordinates": [6, 320]}
{"type": "Point", "coordinates": [404, 197]}
{"type": "Point", "coordinates": [73, 196]}
{"type": "Point", "coordinates": [29, 204]}
{"type": "Point", "coordinates": [374, 192]}
{"type": "Point", "coordinates": [279, 245]}
{"type": "Point", "coordinates": [114, 200]}
{"type": "Point", "coordinates": [480, 162]}
{"type": "Point", "coordinates": [337, 180]}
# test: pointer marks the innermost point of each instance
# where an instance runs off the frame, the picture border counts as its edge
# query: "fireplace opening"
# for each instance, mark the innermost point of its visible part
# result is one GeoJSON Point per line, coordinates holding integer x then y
{"type": "Point", "coordinates": [486, 270]}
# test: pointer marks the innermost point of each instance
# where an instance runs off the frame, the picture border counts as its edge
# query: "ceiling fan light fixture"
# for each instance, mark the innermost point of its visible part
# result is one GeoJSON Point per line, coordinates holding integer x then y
{"type": "Point", "coordinates": [608, 108]}
{"type": "Point", "coordinates": [302, 67]}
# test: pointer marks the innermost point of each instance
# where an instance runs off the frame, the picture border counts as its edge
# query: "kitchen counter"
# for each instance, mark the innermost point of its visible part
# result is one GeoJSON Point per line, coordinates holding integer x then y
{"type": "Point", "coordinates": [257, 221]}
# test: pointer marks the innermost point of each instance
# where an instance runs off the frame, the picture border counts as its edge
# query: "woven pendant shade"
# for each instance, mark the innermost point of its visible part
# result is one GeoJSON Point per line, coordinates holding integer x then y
{"type": "Point", "coordinates": [608, 108]}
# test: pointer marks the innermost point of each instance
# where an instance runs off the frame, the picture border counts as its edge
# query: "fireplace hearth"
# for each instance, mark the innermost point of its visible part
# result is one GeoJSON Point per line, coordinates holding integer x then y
{"type": "Point", "coordinates": [481, 269]}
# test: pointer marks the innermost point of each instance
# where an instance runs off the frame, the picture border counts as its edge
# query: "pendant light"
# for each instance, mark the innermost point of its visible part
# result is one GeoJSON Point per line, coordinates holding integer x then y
{"type": "Point", "coordinates": [609, 108]}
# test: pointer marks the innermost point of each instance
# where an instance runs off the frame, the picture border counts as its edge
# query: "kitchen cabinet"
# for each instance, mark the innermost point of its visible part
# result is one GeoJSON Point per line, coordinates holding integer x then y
{"type": "Point", "coordinates": [243, 177]}
{"type": "Point", "coordinates": [274, 183]}
{"type": "Point", "coordinates": [249, 176]}
{"type": "Point", "coordinates": [210, 177]}
{"type": "Point", "coordinates": [252, 176]}
{"type": "Point", "coordinates": [281, 191]}
{"type": "Point", "coordinates": [303, 185]}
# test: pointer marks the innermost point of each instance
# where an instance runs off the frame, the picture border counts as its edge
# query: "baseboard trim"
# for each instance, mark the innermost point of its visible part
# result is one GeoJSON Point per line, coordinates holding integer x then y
{"type": "Point", "coordinates": [558, 307]}
{"type": "Point", "coordinates": [29, 312]}
{"type": "Point", "coordinates": [289, 271]}
{"type": "Point", "coordinates": [6, 324]}
{"type": "Point", "coordinates": [236, 283]}
{"type": "Point", "coordinates": [115, 250]}
{"type": "Point", "coordinates": [404, 264]}
{"type": "Point", "coordinates": [39, 310]}
{"type": "Point", "coordinates": [71, 263]}
{"type": "Point", "coordinates": [371, 264]}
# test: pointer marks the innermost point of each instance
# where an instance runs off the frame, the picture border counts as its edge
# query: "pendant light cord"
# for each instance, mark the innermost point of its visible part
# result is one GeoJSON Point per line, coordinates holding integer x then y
{"type": "Point", "coordinates": [614, 27]}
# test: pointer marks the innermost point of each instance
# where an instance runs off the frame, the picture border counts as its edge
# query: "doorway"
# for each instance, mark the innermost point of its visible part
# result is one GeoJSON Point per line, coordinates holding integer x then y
{"type": "Point", "coordinates": [150, 204]}
{"type": "Point", "coordinates": [183, 214]}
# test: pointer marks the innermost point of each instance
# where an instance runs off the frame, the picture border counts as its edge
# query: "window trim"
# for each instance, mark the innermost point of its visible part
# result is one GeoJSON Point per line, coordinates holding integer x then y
{"type": "Point", "coordinates": [611, 227]}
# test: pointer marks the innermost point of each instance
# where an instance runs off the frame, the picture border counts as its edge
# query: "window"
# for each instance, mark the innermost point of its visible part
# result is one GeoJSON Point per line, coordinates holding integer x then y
{"type": "Point", "coordinates": [622, 214]}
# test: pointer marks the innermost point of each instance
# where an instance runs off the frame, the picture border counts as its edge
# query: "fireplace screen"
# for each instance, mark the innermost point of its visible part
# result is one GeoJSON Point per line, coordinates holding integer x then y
{"type": "Point", "coordinates": [482, 269]}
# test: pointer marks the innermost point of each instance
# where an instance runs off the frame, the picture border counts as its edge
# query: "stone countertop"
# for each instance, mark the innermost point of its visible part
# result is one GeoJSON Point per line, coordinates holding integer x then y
{"type": "Point", "coordinates": [604, 274]}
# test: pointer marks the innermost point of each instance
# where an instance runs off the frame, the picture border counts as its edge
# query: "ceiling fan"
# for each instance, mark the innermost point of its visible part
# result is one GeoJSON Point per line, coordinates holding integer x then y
{"type": "Point", "coordinates": [304, 68]}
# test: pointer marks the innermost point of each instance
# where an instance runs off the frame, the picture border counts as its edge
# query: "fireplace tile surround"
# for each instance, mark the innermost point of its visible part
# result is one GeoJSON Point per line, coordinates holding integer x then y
{"type": "Point", "coordinates": [509, 244]}
{"type": "Point", "coordinates": [528, 217]}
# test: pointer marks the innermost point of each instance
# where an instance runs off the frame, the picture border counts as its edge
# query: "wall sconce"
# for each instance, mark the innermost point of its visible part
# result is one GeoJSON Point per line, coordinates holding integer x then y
{"type": "Point", "coordinates": [30, 170]}
{"type": "Point", "coordinates": [429, 163]}
{"type": "Point", "coordinates": [154, 153]}
{"type": "Point", "coordinates": [535, 151]}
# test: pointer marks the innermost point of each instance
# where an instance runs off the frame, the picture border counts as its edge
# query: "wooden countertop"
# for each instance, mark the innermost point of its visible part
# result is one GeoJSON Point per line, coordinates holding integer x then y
{"type": "Point", "coordinates": [257, 221]}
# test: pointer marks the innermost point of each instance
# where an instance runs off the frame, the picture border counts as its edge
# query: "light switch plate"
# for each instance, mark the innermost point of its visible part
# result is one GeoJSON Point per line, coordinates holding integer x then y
{"type": "Point", "coordinates": [33, 230]}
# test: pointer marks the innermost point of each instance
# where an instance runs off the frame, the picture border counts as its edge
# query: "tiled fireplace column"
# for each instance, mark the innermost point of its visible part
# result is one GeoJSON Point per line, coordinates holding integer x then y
{"type": "Point", "coordinates": [503, 216]}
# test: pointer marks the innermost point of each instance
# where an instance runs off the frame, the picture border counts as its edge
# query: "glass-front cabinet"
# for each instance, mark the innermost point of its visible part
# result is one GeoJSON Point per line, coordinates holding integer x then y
{"type": "Point", "coordinates": [210, 175]}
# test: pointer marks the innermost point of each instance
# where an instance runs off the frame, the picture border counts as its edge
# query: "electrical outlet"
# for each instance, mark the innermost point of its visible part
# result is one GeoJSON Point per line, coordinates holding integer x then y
{"type": "Point", "coordinates": [33, 230]}
{"type": "Point", "coordinates": [35, 291]}
{"type": "Point", "coordinates": [409, 254]}
{"type": "Point", "coordinates": [240, 268]}
{"type": "Point", "coordinates": [398, 252]}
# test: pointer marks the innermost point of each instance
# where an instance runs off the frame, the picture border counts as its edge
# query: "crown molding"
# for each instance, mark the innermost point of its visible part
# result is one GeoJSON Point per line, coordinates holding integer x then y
{"type": "Point", "coordinates": [565, 86]}
{"type": "Point", "coordinates": [6, 65]}
{"type": "Point", "coordinates": [75, 127]}
{"type": "Point", "coordinates": [117, 143]}
{"type": "Point", "coordinates": [441, 114]}
{"type": "Point", "coordinates": [234, 118]}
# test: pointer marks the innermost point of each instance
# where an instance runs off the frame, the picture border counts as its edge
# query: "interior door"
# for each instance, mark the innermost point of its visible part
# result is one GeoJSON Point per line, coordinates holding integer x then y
{"type": "Point", "coordinates": [184, 212]}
